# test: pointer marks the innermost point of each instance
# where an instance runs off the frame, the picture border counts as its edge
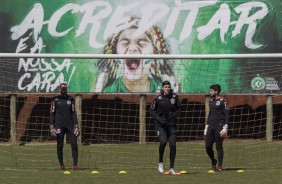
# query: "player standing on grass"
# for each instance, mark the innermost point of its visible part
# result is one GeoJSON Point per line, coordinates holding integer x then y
{"type": "Point", "coordinates": [165, 109]}
{"type": "Point", "coordinates": [216, 126]}
{"type": "Point", "coordinates": [63, 120]}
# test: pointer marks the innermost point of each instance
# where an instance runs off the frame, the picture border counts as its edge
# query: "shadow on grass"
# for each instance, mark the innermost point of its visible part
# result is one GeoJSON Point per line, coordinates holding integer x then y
{"type": "Point", "coordinates": [233, 169]}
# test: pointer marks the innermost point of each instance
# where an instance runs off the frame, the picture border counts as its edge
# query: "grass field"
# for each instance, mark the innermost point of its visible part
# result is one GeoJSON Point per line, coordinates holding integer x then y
{"type": "Point", "coordinates": [37, 163]}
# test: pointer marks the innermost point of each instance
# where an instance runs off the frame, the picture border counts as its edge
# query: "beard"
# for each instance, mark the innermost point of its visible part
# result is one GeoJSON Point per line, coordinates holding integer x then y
{"type": "Point", "coordinates": [213, 95]}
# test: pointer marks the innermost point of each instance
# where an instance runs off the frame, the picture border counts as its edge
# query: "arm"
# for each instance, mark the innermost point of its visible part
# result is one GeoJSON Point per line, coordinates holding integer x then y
{"type": "Point", "coordinates": [224, 130]}
{"type": "Point", "coordinates": [73, 112]}
{"type": "Point", "coordinates": [52, 112]}
{"type": "Point", "coordinates": [153, 109]}
{"type": "Point", "coordinates": [178, 107]}
{"type": "Point", "coordinates": [153, 112]}
{"type": "Point", "coordinates": [226, 112]}
{"type": "Point", "coordinates": [52, 119]}
{"type": "Point", "coordinates": [74, 117]}
{"type": "Point", "coordinates": [206, 124]}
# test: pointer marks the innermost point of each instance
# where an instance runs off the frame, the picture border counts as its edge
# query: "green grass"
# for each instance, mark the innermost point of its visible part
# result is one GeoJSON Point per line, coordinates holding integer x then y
{"type": "Point", "coordinates": [138, 176]}
{"type": "Point", "coordinates": [37, 163]}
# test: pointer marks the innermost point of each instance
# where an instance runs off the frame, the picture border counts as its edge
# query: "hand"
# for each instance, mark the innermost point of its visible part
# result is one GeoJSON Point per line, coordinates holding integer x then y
{"type": "Point", "coordinates": [53, 131]}
{"type": "Point", "coordinates": [76, 131]}
{"type": "Point", "coordinates": [223, 132]}
{"type": "Point", "coordinates": [162, 120]}
{"type": "Point", "coordinates": [206, 129]}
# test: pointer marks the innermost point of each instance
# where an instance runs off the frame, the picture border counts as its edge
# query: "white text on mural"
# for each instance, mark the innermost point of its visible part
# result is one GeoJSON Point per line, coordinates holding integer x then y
{"type": "Point", "coordinates": [249, 14]}
{"type": "Point", "coordinates": [40, 74]}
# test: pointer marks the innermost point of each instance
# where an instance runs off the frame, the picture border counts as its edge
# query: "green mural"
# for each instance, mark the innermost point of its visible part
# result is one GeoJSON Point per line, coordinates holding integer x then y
{"type": "Point", "coordinates": [141, 27]}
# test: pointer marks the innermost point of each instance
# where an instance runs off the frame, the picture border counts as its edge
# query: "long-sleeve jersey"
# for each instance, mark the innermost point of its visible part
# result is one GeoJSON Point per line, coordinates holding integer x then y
{"type": "Point", "coordinates": [218, 113]}
{"type": "Point", "coordinates": [62, 112]}
{"type": "Point", "coordinates": [165, 106]}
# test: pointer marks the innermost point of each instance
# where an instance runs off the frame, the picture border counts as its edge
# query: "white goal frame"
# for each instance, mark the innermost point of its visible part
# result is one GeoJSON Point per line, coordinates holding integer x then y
{"type": "Point", "coordinates": [142, 56]}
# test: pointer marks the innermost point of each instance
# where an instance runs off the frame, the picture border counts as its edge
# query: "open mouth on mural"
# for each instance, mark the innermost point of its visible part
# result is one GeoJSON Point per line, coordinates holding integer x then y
{"type": "Point", "coordinates": [132, 64]}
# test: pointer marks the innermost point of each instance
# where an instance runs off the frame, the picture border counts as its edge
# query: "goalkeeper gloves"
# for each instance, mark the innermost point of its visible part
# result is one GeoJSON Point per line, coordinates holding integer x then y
{"type": "Point", "coordinates": [223, 132]}
{"type": "Point", "coordinates": [53, 131]}
{"type": "Point", "coordinates": [206, 129]}
{"type": "Point", "coordinates": [76, 131]}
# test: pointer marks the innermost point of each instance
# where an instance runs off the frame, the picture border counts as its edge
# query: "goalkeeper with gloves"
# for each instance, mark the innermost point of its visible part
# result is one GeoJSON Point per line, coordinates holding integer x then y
{"type": "Point", "coordinates": [63, 120]}
{"type": "Point", "coordinates": [165, 108]}
{"type": "Point", "coordinates": [216, 126]}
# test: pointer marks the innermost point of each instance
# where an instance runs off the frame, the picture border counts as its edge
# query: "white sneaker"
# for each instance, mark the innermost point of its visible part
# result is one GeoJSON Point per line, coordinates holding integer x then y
{"type": "Point", "coordinates": [161, 167]}
{"type": "Point", "coordinates": [171, 171]}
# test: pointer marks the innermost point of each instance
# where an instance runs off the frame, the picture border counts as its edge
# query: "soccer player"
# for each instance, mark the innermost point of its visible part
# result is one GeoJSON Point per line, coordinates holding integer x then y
{"type": "Point", "coordinates": [216, 126]}
{"type": "Point", "coordinates": [63, 120]}
{"type": "Point", "coordinates": [165, 108]}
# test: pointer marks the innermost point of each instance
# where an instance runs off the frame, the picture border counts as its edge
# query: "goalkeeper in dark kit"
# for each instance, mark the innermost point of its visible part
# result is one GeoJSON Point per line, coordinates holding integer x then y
{"type": "Point", "coordinates": [63, 120]}
{"type": "Point", "coordinates": [165, 109]}
{"type": "Point", "coordinates": [216, 126]}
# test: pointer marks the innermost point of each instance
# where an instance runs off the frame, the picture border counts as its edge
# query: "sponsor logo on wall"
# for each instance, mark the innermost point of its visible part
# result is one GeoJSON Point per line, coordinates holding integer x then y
{"type": "Point", "coordinates": [268, 83]}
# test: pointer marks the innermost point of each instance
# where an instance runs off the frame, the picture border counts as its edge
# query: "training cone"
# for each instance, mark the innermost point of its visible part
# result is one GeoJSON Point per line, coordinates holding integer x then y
{"type": "Point", "coordinates": [211, 171]}
{"type": "Point", "coordinates": [66, 172]}
{"type": "Point", "coordinates": [122, 172]}
{"type": "Point", "coordinates": [183, 172]}
{"type": "Point", "coordinates": [94, 172]}
{"type": "Point", "coordinates": [166, 172]}
{"type": "Point", "coordinates": [240, 171]}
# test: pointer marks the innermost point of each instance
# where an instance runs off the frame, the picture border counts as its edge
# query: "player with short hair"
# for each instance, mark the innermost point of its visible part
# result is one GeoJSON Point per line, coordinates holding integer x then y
{"type": "Point", "coordinates": [216, 126]}
{"type": "Point", "coordinates": [63, 120]}
{"type": "Point", "coordinates": [165, 108]}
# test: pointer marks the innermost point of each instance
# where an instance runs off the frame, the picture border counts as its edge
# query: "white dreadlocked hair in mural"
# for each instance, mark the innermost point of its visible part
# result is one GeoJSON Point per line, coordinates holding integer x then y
{"type": "Point", "coordinates": [161, 69]}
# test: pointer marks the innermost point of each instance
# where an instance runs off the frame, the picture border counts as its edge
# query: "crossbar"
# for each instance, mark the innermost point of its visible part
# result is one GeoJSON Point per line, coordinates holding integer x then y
{"type": "Point", "coordinates": [142, 56]}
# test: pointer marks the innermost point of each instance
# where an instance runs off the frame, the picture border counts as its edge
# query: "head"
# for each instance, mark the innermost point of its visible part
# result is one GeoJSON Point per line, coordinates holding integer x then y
{"type": "Point", "coordinates": [64, 89]}
{"type": "Point", "coordinates": [126, 42]}
{"type": "Point", "coordinates": [134, 69]}
{"type": "Point", "coordinates": [215, 90]}
{"type": "Point", "coordinates": [166, 88]}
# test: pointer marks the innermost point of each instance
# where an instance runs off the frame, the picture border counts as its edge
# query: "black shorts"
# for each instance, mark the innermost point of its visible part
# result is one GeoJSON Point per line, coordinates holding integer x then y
{"type": "Point", "coordinates": [166, 131]}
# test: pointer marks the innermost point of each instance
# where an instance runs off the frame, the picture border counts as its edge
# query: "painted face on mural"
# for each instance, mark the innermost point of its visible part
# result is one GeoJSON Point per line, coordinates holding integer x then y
{"type": "Point", "coordinates": [134, 69]}
{"type": "Point", "coordinates": [135, 75]}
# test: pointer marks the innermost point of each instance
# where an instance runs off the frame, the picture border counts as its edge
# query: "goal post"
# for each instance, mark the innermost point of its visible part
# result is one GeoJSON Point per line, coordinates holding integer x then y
{"type": "Point", "coordinates": [115, 55]}
{"type": "Point", "coordinates": [118, 126]}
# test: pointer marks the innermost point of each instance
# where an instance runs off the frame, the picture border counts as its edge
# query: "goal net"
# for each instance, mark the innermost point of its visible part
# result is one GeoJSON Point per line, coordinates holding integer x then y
{"type": "Point", "coordinates": [117, 131]}
{"type": "Point", "coordinates": [114, 56]}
